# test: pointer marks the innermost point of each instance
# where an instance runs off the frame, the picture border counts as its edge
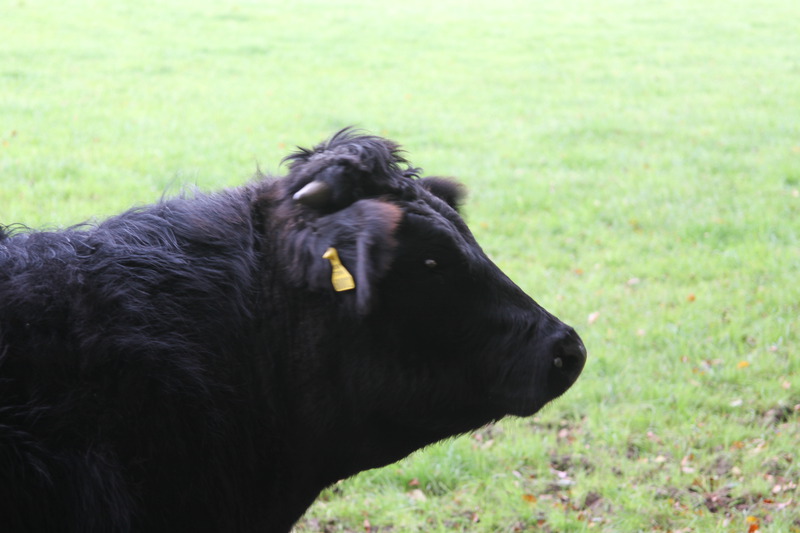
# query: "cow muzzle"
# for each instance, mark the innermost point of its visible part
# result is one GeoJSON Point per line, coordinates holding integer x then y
{"type": "Point", "coordinates": [545, 371]}
{"type": "Point", "coordinates": [568, 359]}
{"type": "Point", "coordinates": [570, 356]}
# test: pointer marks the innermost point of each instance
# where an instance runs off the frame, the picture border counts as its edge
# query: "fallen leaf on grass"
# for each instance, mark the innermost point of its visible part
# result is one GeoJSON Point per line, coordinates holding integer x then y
{"type": "Point", "coordinates": [654, 438]}
{"type": "Point", "coordinates": [566, 434]}
{"type": "Point", "coordinates": [530, 498]}
{"type": "Point", "coordinates": [742, 364]}
{"type": "Point", "coordinates": [786, 487]}
{"type": "Point", "coordinates": [778, 506]}
{"type": "Point", "coordinates": [417, 495]}
{"type": "Point", "coordinates": [761, 445]}
{"type": "Point", "coordinates": [593, 317]}
{"type": "Point", "coordinates": [591, 500]}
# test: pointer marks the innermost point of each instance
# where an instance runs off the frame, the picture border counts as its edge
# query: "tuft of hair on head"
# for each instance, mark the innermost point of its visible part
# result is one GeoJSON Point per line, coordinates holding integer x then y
{"type": "Point", "coordinates": [370, 152]}
{"type": "Point", "coordinates": [349, 166]}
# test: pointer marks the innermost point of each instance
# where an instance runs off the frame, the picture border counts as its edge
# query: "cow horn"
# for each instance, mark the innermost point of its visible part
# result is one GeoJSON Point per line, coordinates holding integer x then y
{"type": "Point", "coordinates": [314, 194]}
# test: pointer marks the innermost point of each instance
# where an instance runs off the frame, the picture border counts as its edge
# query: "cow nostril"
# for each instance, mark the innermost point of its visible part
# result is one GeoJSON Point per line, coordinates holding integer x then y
{"type": "Point", "coordinates": [571, 355]}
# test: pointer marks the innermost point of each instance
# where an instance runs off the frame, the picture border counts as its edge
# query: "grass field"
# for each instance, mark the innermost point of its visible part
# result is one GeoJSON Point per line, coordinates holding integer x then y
{"type": "Point", "coordinates": [634, 166]}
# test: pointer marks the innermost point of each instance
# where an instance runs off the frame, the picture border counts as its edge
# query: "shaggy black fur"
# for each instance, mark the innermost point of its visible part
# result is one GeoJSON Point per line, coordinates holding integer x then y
{"type": "Point", "coordinates": [187, 366]}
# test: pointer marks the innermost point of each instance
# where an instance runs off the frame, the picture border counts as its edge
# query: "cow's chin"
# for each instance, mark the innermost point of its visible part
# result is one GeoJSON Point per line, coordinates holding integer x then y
{"type": "Point", "coordinates": [411, 433]}
{"type": "Point", "coordinates": [530, 384]}
{"type": "Point", "coordinates": [522, 404]}
{"type": "Point", "coordinates": [524, 395]}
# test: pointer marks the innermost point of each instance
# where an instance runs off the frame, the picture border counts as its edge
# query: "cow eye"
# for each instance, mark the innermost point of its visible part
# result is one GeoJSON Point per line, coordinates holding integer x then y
{"type": "Point", "coordinates": [430, 263]}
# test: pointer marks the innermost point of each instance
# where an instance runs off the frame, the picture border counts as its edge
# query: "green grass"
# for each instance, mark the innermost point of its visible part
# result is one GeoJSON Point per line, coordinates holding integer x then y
{"type": "Point", "coordinates": [640, 161]}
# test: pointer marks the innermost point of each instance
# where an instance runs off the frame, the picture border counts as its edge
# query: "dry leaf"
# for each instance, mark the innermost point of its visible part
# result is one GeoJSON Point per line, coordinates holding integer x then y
{"type": "Point", "coordinates": [417, 495]}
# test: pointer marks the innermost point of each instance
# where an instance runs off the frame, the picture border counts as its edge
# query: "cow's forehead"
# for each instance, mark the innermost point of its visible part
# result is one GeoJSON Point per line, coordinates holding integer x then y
{"type": "Point", "coordinates": [437, 213]}
{"type": "Point", "coordinates": [427, 203]}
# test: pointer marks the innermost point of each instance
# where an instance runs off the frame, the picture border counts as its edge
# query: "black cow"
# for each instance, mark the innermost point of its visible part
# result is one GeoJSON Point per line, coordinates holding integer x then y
{"type": "Point", "coordinates": [211, 362]}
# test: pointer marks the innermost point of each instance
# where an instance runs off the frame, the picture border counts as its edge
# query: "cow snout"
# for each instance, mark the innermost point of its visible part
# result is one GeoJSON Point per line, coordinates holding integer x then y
{"type": "Point", "coordinates": [569, 356]}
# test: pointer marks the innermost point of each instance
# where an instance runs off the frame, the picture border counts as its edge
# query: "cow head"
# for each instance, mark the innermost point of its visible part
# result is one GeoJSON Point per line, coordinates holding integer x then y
{"type": "Point", "coordinates": [430, 338]}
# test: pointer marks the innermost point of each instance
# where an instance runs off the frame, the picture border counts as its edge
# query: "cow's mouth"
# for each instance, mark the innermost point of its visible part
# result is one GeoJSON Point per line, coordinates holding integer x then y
{"type": "Point", "coordinates": [532, 383]}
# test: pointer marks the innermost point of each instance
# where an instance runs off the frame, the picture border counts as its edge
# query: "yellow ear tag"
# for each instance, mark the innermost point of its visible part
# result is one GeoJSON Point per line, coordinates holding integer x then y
{"type": "Point", "coordinates": [340, 277]}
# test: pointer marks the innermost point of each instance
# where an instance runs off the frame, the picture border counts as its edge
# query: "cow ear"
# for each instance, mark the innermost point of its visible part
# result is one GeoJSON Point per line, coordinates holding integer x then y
{"type": "Point", "coordinates": [357, 242]}
{"type": "Point", "coordinates": [447, 189]}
